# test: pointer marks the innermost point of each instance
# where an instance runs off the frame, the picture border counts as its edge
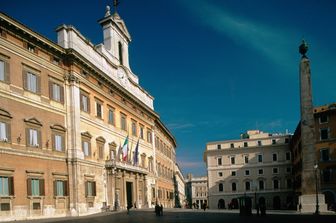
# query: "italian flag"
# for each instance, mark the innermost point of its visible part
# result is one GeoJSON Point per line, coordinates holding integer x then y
{"type": "Point", "coordinates": [125, 149]}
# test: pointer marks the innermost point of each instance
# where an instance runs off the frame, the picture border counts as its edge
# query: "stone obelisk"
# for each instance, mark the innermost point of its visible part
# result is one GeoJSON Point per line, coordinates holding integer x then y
{"type": "Point", "coordinates": [311, 200]}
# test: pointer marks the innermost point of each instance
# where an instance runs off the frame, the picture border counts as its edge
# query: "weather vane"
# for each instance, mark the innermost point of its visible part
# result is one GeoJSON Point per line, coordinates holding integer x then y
{"type": "Point", "coordinates": [115, 4]}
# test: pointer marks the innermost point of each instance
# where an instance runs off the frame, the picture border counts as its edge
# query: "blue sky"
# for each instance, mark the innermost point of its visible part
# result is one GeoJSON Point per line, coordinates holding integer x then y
{"type": "Point", "coordinates": [215, 67]}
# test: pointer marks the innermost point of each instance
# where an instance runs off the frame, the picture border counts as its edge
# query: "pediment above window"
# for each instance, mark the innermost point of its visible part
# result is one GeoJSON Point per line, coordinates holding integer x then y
{"type": "Point", "coordinates": [100, 139]}
{"type": "Point", "coordinates": [4, 113]}
{"type": "Point", "coordinates": [58, 127]}
{"type": "Point", "coordinates": [86, 134]}
{"type": "Point", "coordinates": [33, 121]}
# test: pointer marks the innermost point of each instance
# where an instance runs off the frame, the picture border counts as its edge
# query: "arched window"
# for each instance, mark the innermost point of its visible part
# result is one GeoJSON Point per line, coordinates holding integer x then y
{"type": "Point", "coordinates": [247, 185]}
{"type": "Point", "coordinates": [234, 186]}
{"type": "Point", "coordinates": [220, 187]}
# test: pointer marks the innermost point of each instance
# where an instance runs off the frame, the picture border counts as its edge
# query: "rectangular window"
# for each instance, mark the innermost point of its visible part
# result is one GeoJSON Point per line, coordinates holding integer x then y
{"type": "Point", "coordinates": [141, 133]}
{"type": "Point", "coordinates": [6, 186]}
{"type": "Point", "coordinates": [231, 145]}
{"type": "Point", "coordinates": [245, 144]}
{"type": "Point", "coordinates": [90, 188]}
{"type": "Point", "coordinates": [101, 151]}
{"type": "Point", "coordinates": [4, 132]}
{"type": "Point", "coordinates": [246, 159]}
{"type": "Point", "coordinates": [247, 172]}
{"type": "Point", "coordinates": [219, 146]}
{"type": "Point", "coordinates": [31, 82]}
{"type": "Point", "coordinates": [286, 140]}
{"type": "Point", "coordinates": [134, 128]}
{"type": "Point", "coordinates": [123, 124]}
{"type": "Point", "coordinates": [5, 207]}
{"type": "Point", "coordinates": [275, 184]}
{"type": "Point", "coordinates": [289, 183]}
{"type": "Point", "coordinates": [220, 174]}
{"type": "Point", "coordinates": [56, 92]}
{"type": "Point", "coordinates": [111, 116]}
{"type": "Point", "coordinates": [259, 143]}
{"type": "Point", "coordinates": [260, 171]}
{"type": "Point", "coordinates": [275, 157]}
{"type": "Point", "coordinates": [326, 175]}
{"type": "Point", "coordinates": [247, 185]}
{"type": "Point", "coordinates": [99, 109]}
{"type": "Point", "coordinates": [33, 137]}
{"type": "Point", "coordinates": [4, 71]}
{"type": "Point", "coordinates": [260, 158]}
{"type": "Point", "coordinates": [288, 156]}
{"type": "Point", "coordinates": [61, 188]}
{"type": "Point", "coordinates": [59, 143]}
{"type": "Point", "coordinates": [86, 148]}
{"type": "Point", "coordinates": [273, 141]}
{"type": "Point", "coordinates": [149, 136]}
{"type": "Point", "coordinates": [85, 102]}
{"type": "Point", "coordinates": [275, 170]}
{"type": "Point", "coordinates": [324, 134]}
{"type": "Point", "coordinates": [233, 160]}
{"type": "Point", "coordinates": [233, 173]}
{"type": "Point", "coordinates": [219, 161]}
{"type": "Point", "coordinates": [261, 185]}
{"type": "Point", "coordinates": [324, 153]}
{"type": "Point", "coordinates": [323, 118]}
{"type": "Point", "coordinates": [35, 187]}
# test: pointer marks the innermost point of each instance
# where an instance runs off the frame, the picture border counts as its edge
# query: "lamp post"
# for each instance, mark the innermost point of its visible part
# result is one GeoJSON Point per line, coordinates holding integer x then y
{"type": "Point", "coordinates": [317, 212]}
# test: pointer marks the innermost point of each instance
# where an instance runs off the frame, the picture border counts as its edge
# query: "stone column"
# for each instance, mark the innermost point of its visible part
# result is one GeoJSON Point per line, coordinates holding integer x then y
{"type": "Point", "coordinates": [73, 138]}
{"type": "Point", "coordinates": [308, 182]}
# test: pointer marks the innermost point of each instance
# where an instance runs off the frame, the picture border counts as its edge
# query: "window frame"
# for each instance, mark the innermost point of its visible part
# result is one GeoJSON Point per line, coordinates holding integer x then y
{"type": "Point", "coordinates": [123, 121]}
{"type": "Point", "coordinates": [26, 82]}
{"type": "Point", "coordinates": [111, 110]}
{"type": "Point", "coordinates": [6, 68]}
{"type": "Point", "coordinates": [52, 97]}
{"type": "Point", "coordinates": [84, 108]}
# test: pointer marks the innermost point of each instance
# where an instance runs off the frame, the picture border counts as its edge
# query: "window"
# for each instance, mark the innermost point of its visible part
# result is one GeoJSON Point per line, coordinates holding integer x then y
{"type": "Point", "coordinates": [276, 184]}
{"type": "Point", "coordinates": [6, 186]}
{"type": "Point", "coordinates": [60, 188]}
{"type": "Point", "coordinates": [4, 132]}
{"type": "Point", "coordinates": [4, 71]}
{"type": "Point", "coordinates": [260, 171]}
{"type": "Point", "coordinates": [259, 143]}
{"type": "Point", "coordinates": [219, 146]}
{"type": "Point", "coordinates": [123, 124]}
{"type": "Point", "coordinates": [134, 128]}
{"type": "Point", "coordinates": [35, 187]}
{"type": "Point", "coordinates": [120, 49]}
{"type": "Point", "coordinates": [323, 118]}
{"type": "Point", "coordinates": [324, 134]}
{"type": "Point", "coordinates": [289, 183]}
{"type": "Point", "coordinates": [231, 145]}
{"type": "Point", "coordinates": [33, 137]}
{"type": "Point", "coordinates": [275, 157]}
{"type": "Point", "coordinates": [220, 174]}
{"type": "Point", "coordinates": [273, 141]}
{"type": "Point", "coordinates": [245, 144]}
{"type": "Point", "coordinates": [219, 161]}
{"type": "Point", "coordinates": [233, 173]}
{"type": "Point", "coordinates": [260, 158]}
{"type": "Point", "coordinates": [149, 136]}
{"type": "Point", "coordinates": [233, 160]}
{"type": "Point", "coordinates": [261, 185]}
{"type": "Point", "coordinates": [56, 92]}
{"type": "Point", "coordinates": [141, 133]}
{"type": "Point", "coordinates": [247, 172]}
{"type": "Point", "coordinates": [234, 186]}
{"type": "Point", "coordinates": [326, 173]}
{"type": "Point", "coordinates": [247, 185]}
{"type": "Point", "coordinates": [58, 138]}
{"type": "Point", "coordinates": [324, 154]}
{"type": "Point", "coordinates": [286, 140]}
{"type": "Point", "coordinates": [99, 109]}
{"type": "Point", "coordinates": [100, 142]}
{"type": "Point", "coordinates": [275, 170]}
{"type": "Point", "coordinates": [86, 148]}
{"type": "Point", "coordinates": [111, 116]}
{"type": "Point", "coordinates": [288, 156]}
{"type": "Point", "coordinates": [58, 143]}
{"type": "Point", "coordinates": [85, 102]}
{"type": "Point", "coordinates": [90, 188]}
{"type": "Point", "coordinates": [32, 82]}
{"type": "Point", "coordinates": [246, 159]}
{"type": "Point", "coordinates": [220, 187]}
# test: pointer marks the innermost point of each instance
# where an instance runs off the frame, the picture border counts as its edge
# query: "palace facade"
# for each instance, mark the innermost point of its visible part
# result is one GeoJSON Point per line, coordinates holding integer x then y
{"type": "Point", "coordinates": [78, 134]}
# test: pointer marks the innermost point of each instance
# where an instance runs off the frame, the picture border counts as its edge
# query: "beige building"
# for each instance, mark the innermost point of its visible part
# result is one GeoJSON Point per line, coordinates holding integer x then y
{"type": "Point", "coordinates": [257, 165]}
{"type": "Point", "coordinates": [179, 184]}
{"type": "Point", "coordinates": [197, 191]}
{"type": "Point", "coordinates": [66, 110]}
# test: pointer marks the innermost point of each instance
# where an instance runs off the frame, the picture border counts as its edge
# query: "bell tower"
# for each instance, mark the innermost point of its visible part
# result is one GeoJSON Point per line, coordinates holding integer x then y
{"type": "Point", "coordinates": [116, 36]}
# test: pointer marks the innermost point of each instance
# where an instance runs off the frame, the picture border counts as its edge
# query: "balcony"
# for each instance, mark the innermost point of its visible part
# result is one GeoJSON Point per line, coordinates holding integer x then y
{"type": "Point", "coordinates": [125, 166]}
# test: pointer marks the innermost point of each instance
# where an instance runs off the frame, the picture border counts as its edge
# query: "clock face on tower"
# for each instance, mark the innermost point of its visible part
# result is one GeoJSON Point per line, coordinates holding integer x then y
{"type": "Point", "coordinates": [122, 77]}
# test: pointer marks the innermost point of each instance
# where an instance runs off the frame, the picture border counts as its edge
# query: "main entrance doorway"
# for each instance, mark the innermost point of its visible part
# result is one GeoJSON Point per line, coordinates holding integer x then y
{"type": "Point", "coordinates": [129, 190]}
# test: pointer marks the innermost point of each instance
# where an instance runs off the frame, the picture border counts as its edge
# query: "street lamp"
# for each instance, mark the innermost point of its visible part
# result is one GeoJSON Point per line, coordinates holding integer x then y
{"type": "Point", "coordinates": [317, 212]}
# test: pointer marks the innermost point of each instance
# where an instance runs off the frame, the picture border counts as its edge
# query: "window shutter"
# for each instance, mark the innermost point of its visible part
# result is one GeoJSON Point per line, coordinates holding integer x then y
{"type": "Point", "coordinates": [41, 181]}
{"type": "Point", "coordinates": [24, 78]}
{"type": "Point", "coordinates": [7, 72]}
{"type": "Point", "coordinates": [29, 190]}
{"type": "Point", "coordinates": [81, 101]}
{"type": "Point", "coordinates": [94, 188]}
{"type": "Point", "coordinates": [55, 188]}
{"type": "Point", "coordinates": [8, 129]}
{"type": "Point", "coordinates": [51, 96]}
{"type": "Point", "coordinates": [86, 188]}
{"type": "Point", "coordinates": [63, 143]}
{"type": "Point", "coordinates": [39, 140]}
{"type": "Point", "coordinates": [27, 137]}
{"type": "Point", "coordinates": [89, 148]}
{"type": "Point", "coordinates": [38, 84]}
{"type": "Point", "coordinates": [65, 184]}
{"type": "Point", "coordinates": [88, 104]}
{"type": "Point", "coordinates": [62, 94]}
{"type": "Point", "coordinates": [53, 141]}
{"type": "Point", "coordinates": [11, 186]}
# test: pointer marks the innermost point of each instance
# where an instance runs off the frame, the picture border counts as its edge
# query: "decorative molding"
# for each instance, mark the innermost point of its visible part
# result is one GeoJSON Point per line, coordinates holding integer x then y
{"type": "Point", "coordinates": [100, 139]}
{"type": "Point", "coordinates": [71, 78]}
{"type": "Point", "coordinates": [86, 134]}
{"type": "Point", "coordinates": [33, 121]}
{"type": "Point", "coordinates": [5, 113]}
{"type": "Point", "coordinates": [58, 127]}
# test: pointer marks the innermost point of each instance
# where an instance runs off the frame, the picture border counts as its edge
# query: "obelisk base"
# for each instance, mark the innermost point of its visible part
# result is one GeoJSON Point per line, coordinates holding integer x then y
{"type": "Point", "coordinates": [308, 203]}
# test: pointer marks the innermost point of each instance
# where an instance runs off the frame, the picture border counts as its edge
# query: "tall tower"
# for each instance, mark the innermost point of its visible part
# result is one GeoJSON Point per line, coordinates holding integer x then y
{"type": "Point", "coordinates": [311, 200]}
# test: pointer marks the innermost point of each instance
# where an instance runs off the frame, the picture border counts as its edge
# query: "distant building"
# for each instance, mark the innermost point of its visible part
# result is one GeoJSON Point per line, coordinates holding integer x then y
{"type": "Point", "coordinates": [179, 183]}
{"type": "Point", "coordinates": [196, 191]}
{"type": "Point", "coordinates": [325, 146]}
{"type": "Point", "coordinates": [257, 165]}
